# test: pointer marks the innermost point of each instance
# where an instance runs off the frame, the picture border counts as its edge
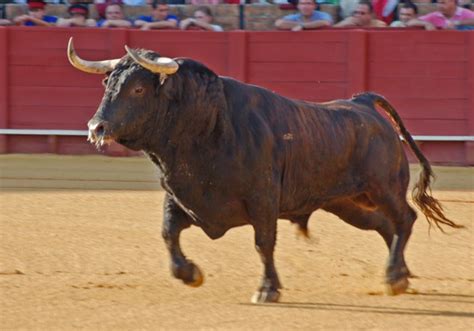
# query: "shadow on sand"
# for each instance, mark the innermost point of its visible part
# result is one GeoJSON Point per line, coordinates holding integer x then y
{"type": "Point", "coordinates": [377, 309]}
{"type": "Point", "coordinates": [442, 297]}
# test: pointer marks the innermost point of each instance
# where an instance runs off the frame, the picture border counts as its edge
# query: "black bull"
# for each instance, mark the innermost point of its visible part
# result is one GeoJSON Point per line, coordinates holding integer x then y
{"type": "Point", "coordinates": [232, 154]}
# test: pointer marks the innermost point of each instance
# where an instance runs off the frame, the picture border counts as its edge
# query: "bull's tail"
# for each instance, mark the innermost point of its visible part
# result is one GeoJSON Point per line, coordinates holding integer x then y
{"type": "Point", "coordinates": [421, 194]}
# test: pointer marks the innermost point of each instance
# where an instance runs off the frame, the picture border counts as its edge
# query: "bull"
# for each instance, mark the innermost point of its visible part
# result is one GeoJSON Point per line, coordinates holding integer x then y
{"type": "Point", "coordinates": [232, 154]}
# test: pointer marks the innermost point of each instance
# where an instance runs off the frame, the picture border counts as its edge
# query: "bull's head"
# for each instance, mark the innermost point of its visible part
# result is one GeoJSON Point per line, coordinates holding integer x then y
{"type": "Point", "coordinates": [132, 92]}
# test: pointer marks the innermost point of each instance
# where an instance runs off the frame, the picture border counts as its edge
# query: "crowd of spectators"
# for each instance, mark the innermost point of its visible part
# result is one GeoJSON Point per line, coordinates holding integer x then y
{"type": "Point", "coordinates": [450, 14]}
{"type": "Point", "coordinates": [112, 16]}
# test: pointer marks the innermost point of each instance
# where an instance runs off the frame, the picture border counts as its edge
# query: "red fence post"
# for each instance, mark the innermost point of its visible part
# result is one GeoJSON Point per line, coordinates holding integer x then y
{"type": "Point", "coordinates": [3, 87]}
{"type": "Point", "coordinates": [357, 62]}
{"type": "Point", "coordinates": [469, 145]}
{"type": "Point", "coordinates": [237, 55]}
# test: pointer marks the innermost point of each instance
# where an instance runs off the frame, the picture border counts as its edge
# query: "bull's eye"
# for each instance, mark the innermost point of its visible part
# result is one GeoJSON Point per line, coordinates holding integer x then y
{"type": "Point", "coordinates": [139, 90]}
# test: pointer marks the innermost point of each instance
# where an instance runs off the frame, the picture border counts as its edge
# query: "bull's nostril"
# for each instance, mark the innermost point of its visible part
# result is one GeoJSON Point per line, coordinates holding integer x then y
{"type": "Point", "coordinates": [99, 130]}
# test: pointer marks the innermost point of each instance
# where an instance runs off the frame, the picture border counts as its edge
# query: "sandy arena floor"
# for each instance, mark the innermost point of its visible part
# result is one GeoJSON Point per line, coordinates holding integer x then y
{"type": "Point", "coordinates": [80, 248]}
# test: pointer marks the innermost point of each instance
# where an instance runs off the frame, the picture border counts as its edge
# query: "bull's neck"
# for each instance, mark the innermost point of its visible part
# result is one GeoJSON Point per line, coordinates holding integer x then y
{"type": "Point", "coordinates": [192, 142]}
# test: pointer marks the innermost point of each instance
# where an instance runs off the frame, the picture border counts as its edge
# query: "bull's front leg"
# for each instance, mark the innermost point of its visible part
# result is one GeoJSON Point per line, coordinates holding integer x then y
{"type": "Point", "coordinates": [174, 221]}
{"type": "Point", "coordinates": [265, 239]}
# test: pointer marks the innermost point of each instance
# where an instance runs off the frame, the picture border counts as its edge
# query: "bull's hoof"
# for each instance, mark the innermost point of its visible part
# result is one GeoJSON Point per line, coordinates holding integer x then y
{"type": "Point", "coordinates": [398, 287]}
{"type": "Point", "coordinates": [266, 296]}
{"type": "Point", "coordinates": [189, 274]}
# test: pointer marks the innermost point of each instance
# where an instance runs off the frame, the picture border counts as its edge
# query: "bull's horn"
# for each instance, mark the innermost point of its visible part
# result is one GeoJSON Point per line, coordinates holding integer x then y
{"type": "Point", "coordinates": [92, 67]}
{"type": "Point", "coordinates": [162, 65]}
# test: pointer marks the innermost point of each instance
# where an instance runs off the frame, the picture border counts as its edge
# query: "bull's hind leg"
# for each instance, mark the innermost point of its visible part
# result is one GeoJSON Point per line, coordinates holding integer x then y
{"type": "Point", "coordinates": [362, 218]}
{"type": "Point", "coordinates": [174, 221]}
{"type": "Point", "coordinates": [403, 218]}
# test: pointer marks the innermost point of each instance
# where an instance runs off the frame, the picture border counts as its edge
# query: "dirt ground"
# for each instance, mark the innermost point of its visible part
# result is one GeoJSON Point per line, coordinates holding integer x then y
{"type": "Point", "coordinates": [81, 249]}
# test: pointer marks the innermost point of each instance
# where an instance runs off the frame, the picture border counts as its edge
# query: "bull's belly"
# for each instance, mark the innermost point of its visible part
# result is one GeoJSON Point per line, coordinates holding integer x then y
{"type": "Point", "coordinates": [215, 216]}
{"type": "Point", "coordinates": [306, 202]}
{"type": "Point", "coordinates": [305, 208]}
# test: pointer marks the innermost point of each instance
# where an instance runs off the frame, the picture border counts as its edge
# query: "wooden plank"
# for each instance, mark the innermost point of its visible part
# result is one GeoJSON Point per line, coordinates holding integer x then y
{"type": "Point", "coordinates": [52, 76]}
{"type": "Point", "coordinates": [399, 46]}
{"type": "Point", "coordinates": [420, 53]}
{"type": "Point", "coordinates": [28, 144]}
{"type": "Point", "coordinates": [4, 106]}
{"type": "Point", "coordinates": [430, 108]}
{"type": "Point", "coordinates": [398, 38]}
{"type": "Point", "coordinates": [307, 37]}
{"type": "Point", "coordinates": [408, 69]}
{"type": "Point", "coordinates": [357, 57]}
{"type": "Point", "coordinates": [298, 52]}
{"type": "Point", "coordinates": [296, 71]}
{"type": "Point", "coordinates": [30, 46]}
{"type": "Point", "coordinates": [214, 56]}
{"type": "Point", "coordinates": [116, 41]}
{"type": "Point", "coordinates": [33, 39]}
{"type": "Point", "coordinates": [419, 87]}
{"type": "Point", "coordinates": [138, 38]}
{"type": "Point", "coordinates": [306, 91]}
{"type": "Point", "coordinates": [51, 117]}
{"type": "Point", "coordinates": [58, 96]}
{"type": "Point", "coordinates": [52, 57]}
{"type": "Point", "coordinates": [444, 152]}
{"type": "Point", "coordinates": [237, 55]}
{"type": "Point", "coordinates": [469, 146]}
{"type": "Point", "coordinates": [211, 54]}
{"type": "Point", "coordinates": [443, 127]}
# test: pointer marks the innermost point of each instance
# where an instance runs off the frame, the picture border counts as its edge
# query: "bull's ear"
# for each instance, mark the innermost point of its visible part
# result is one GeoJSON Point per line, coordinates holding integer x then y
{"type": "Point", "coordinates": [162, 65]}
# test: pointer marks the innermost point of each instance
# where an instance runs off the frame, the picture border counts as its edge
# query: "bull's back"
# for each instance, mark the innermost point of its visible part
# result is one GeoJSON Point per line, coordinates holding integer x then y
{"type": "Point", "coordinates": [318, 150]}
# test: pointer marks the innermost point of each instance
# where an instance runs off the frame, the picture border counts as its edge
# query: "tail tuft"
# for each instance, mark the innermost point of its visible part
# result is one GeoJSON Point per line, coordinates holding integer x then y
{"type": "Point", "coordinates": [421, 193]}
{"type": "Point", "coordinates": [428, 205]}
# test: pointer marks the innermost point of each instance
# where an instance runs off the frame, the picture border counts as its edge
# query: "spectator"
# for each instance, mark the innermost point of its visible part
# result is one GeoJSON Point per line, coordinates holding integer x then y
{"type": "Point", "coordinates": [347, 7]}
{"type": "Point", "coordinates": [4, 21]}
{"type": "Point", "coordinates": [206, 2]}
{"type": "Point", "coordinates": [78, 17]}
{"type": "Point", "coordinates": [450, 16]}
{"type": "Point", "coordinates": [362, 17]}
{"type": "Point", "coordinates": [36, 15]}
{"type": "Point", "coordinates": [114, 17]}
{"type": "Point", "coordinates": [408, 18]}
{"type": "Point", "coordinates": [408, 12]}
{"type": "Point", "coordinates": [307, 18]}
{"type": "Point", "coordinates": [202, 21]}
{"type": "Point", "coordinates": [134, 2]}
{"type": "Point", "coordinates": [100, 6]}
{"type": "Point", "coordinates": [159, 19]}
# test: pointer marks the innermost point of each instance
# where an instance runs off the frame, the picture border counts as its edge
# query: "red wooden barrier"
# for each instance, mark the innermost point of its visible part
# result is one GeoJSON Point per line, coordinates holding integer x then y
{"type": "Point", "coordinates": [3, 88]}
{"type": "Point", "coordinates": [469, 147]}
{"type": "Point", "coordinates": [428, 76]}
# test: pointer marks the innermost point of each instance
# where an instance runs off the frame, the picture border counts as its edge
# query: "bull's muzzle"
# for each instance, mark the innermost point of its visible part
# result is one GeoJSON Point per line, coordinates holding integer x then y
{"type": "Point", "coordinates": [99, 133]}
